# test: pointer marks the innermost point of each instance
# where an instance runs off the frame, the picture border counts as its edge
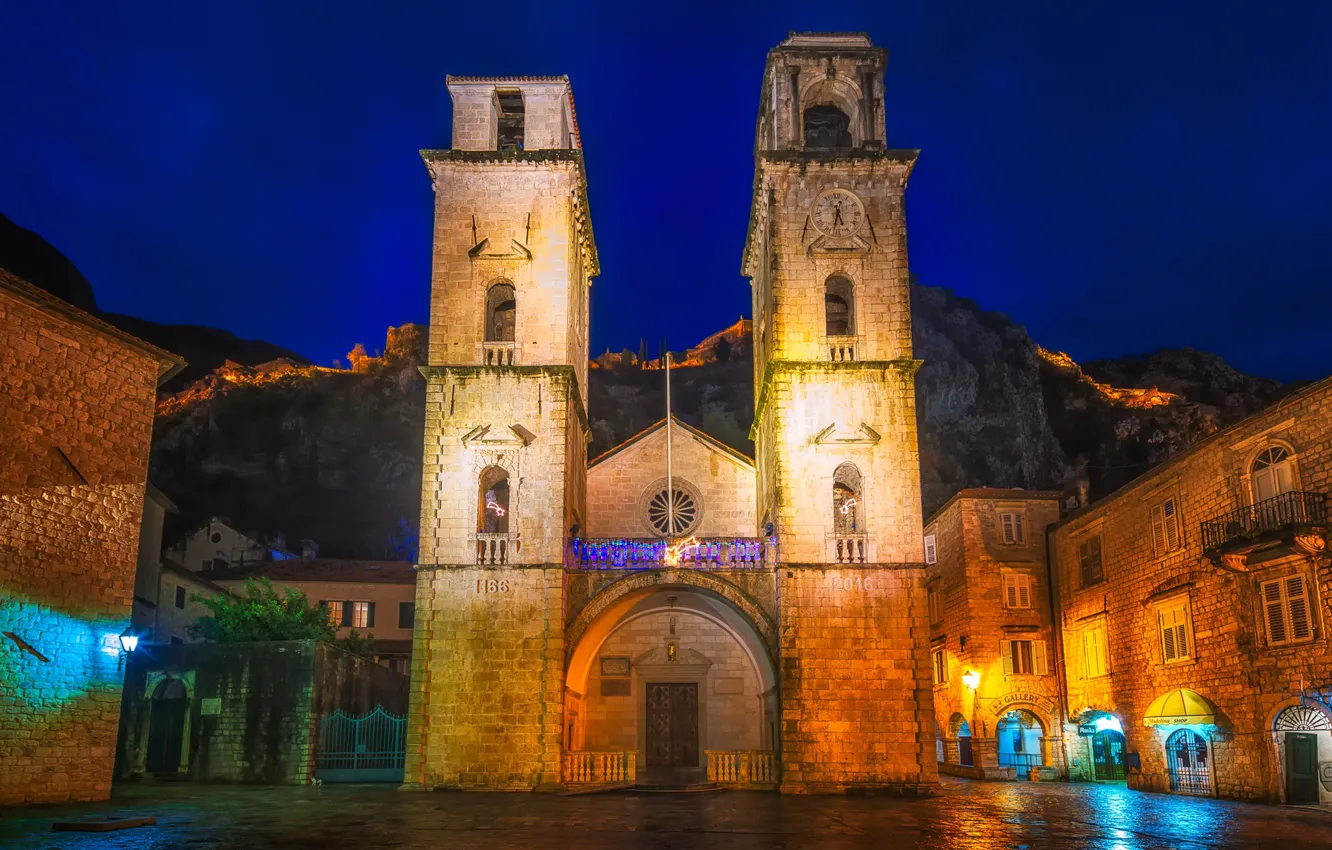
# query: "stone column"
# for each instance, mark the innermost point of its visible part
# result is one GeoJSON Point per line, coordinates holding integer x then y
{"type": "Point", "coordinates": [1052, 752]}
{"type": "Point", "coordinates": [950, 750]}
{"type": "Point", "coordinates": [985, 753]}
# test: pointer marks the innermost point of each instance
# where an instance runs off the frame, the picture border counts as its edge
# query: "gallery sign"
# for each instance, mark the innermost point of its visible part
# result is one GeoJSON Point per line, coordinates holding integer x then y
{"type": "Point", "coordinates": [1012, 698]}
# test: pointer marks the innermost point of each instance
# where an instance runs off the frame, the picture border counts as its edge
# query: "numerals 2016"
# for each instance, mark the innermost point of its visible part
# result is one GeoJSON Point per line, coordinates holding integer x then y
{"type": "Point", "coordinates": [850, 585]}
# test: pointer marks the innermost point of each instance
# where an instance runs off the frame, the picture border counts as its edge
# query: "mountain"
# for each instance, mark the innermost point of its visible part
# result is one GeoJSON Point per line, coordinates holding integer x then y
{"type": "Point", "coordinates": [204, 349]}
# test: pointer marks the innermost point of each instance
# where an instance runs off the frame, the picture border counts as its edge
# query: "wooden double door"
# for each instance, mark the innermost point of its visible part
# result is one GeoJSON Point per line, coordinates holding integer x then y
{"type": "Point", "coordinates": [672, 724]}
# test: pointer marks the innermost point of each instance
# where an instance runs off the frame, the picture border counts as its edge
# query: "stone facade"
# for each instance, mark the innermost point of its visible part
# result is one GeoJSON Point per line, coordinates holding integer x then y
{"type": "Point", "coordinates": [989, 606]}
{"type": "Point", "coordinates": [1194, 547]}
{"type": "Point", "coordinates": [547, 606]}
{"type": "Point", "coordinates": [76, 411]}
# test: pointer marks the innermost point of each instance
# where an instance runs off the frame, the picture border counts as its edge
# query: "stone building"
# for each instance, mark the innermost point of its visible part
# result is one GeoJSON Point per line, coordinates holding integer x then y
{"type": "Point", "coordinates": [1194, 613]}
{"type": "Point", "coordinates": [217, 545]}
{"type": "Point", "coordinates": [786, 641]}
{"type": "Point", "coordinates": [76, 411]}
{"type": "Point", "coordinates": [997, 700]}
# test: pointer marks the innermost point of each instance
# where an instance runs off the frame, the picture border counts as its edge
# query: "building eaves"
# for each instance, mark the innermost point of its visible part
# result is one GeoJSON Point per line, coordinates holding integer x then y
{"type": "Point", "coordinates": [169, 364]}
{"type": "Point", "coordinates": [708, 439]}
{"type": "Point", "coordinates": [1003, 494]}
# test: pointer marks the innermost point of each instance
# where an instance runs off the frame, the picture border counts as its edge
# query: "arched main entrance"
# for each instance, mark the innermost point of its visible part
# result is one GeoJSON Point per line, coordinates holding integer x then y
{"type": "Point", "coordinates": [1019, 734]}
{"type": "Point", "coordinates": [166, 727]}
{"type": "Point", "coordinates": [673, 671]}
{"type": "Point", "coordinates": [1303, 736]}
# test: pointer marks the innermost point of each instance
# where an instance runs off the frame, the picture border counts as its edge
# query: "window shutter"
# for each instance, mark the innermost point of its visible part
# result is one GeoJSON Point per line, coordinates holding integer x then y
{"type": "Point", "coordinates": [1274, 613]}
{"type": "Point", "coordinates": [1006, 653]}
{"type": "Point", "coordinates": [1038, 658]}
{"type": "Point", "coordinates": [1019, 533]}
{"type": "Point", "coordinates": [1024, 591]}
{"type": "Point", "coordinates": [931, 550]}
{"type": "Point", "coordinates": [1158, 530]}
{"type": "Point", "coordinates": [348, 612]}
{"type": "Point", "coordinates": [1010, 590]}
{"type": "Point", "coordinates": [1297, 603]}
{"type": "Point", "coordinates": [1169, 650]}
{"type": "Point", "coordinates": [1007, 520]}
{"type": "Point", "coordinates": [370, 616]}
{"type": "Point", "coordinates": [1171, 524]}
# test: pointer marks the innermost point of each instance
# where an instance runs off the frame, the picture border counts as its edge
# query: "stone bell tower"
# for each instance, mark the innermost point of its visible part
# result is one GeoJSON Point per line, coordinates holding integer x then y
{"type": "Point", "coordinates": [505, 460]}
{"type": "Point", "coordinates": [835, 422]}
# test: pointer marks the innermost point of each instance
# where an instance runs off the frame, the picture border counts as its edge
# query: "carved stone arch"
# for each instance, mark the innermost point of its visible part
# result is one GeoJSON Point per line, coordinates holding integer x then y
{"type": "Point", "coordinates": [839, 92]}
{"type": "Point", "coordinates": [741, 602]}
{"type": "Point", "coordinates": [1258, 450]}
{"type": "Point", "coordinates": [849, 511]}
{"type": "Point", "coordinates": [956, 723]}
{"type": "Point", "coordinates": [1300, 715]}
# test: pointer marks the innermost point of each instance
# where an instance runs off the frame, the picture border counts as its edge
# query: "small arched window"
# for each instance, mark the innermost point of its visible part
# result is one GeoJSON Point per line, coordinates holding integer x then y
{"type": "Point", "coordinates": [501, 313]}
{"type": "Point", "coordinates": [847, 500]}
{"type": "Point", "coordinates": [493, 501]}
{"type": "Point", "coordinates": [838, 299]}
{"type": "Point", "coordinates": [826, 128]}
{"type": "Point", "coordinates": [1273, 473]}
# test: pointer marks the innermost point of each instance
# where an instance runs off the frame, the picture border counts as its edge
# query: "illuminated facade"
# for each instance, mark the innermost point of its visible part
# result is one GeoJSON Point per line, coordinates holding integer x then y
{"type": "Point", "coordinates": [76, 412]}
{"type": "Point", "coordinates": [753, 624]}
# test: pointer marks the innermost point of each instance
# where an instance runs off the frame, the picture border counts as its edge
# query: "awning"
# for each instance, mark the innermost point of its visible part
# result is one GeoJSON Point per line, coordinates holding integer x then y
{"type": "Point", "coordinates": [1180, 707]}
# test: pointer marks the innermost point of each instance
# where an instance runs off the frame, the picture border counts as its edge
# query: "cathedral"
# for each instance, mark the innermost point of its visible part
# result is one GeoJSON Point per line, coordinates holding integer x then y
{"type": "Point", "coordinates": [673, 612]}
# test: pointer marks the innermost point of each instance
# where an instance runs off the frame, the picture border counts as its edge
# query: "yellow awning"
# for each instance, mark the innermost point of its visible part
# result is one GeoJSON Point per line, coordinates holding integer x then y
{"type": "Point", "coordinates": [1180, 707]}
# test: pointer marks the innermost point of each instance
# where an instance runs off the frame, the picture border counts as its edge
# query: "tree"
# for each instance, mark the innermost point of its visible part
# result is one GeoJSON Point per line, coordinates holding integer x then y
{"type": "Point", "coordinates": [263, 614]}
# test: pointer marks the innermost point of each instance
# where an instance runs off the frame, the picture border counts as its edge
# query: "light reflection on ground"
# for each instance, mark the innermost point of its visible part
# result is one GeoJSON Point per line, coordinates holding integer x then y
{"type": "Point", "coordinates": [963, 816]}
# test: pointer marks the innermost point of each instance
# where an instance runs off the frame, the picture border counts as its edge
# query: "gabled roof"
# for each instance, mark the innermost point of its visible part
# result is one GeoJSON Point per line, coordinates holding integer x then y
{"type": "Point", "coordinates": [321, 569]}
{"type": "Point", "coordinates": [710, 441]}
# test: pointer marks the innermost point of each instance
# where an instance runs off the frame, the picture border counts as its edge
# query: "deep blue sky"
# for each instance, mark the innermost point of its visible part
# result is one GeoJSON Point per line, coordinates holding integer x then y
{"type": "Point", "coordinates": [1114, 176]}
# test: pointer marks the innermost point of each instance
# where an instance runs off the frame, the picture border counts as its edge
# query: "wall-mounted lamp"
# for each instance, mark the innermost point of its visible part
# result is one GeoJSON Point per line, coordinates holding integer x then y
{"type": "Point", "coordinates": [971, 679]}
{"type": "Point", "coordinates": [129, 641]}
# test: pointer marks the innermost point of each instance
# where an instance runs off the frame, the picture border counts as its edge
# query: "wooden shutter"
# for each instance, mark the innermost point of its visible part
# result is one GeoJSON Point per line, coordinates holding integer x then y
{"type": "Point", "coordinates": [1171, 524]}
{"type": "Point", "coordinates": [1158, 530]}
{"type": "Point", "coordinates": [1038, 658]}
{"type": "Point", "coordinates": [370, 615]}
{"type": "Point", "coordinates": [1093, 650]}
{"type": "Point", "coordinates": [1006, 654]}
{"type": "Point", "coordinates": [1297, 604]}
{"type": "Point", "coordinates": [931, 551]}
{"type": "Point", "coordinates": [1089, 554]}
{"type": "Point", "coordinates": [1024, 591]}
{"type": "Point", "coordinates": [1010, 590]}
{"type": "Point", "coordinates": [1169, 650]}
{"type": "Point", "coordinates": [348, 612]}
{"type": "Point", "coordinates": [1274, 613]}
{"type": "Point", "coordinates": [1019, 533]}
{"type": "Point", "coordinates": [1007, 520]}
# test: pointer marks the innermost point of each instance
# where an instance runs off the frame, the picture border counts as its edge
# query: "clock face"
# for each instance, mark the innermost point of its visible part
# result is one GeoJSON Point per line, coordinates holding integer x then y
{"type": "Point", "coordinates": [837, 213]}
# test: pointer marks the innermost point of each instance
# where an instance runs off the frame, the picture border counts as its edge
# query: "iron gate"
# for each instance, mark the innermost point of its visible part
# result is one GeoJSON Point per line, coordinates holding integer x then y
{"type": "Point", "coordinates": [1186, 757]}
{"type": "Point", "coordinates": [1108, 755]}
{"type": "Point", "coordinates": [372, 748]}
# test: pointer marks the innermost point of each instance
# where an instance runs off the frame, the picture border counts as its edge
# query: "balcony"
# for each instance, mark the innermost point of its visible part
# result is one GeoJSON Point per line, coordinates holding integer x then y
{"type": "Point", "coordinates": [849, 547]}
{"type": "Point", "coordinates": [842, 348]}
{"type": "Point", "coordinates": [1279, 518]}
{"type": "Point", "coordinates": [496, 548]}
{"type": "Point", "coordinates": [499, 353]}
{"type": "Point", "coordinates": [655, 553]}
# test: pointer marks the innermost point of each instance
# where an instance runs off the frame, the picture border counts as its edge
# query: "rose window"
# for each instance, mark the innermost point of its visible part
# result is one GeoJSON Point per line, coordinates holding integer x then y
{"type": "Point", "coordinates": [685, 508]}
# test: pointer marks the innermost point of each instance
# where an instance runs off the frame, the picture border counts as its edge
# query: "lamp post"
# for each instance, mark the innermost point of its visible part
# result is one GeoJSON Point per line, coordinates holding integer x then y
{"type": "Point", "coordinates": [129, 641]}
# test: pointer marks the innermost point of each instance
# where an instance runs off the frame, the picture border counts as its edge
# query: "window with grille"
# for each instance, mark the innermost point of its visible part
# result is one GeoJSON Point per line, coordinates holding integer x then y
{"type": "Point", "coordinates": [1176, 634]}
{"type": "Point", "coordinates": [1089, 557]}
{"type": "Point", "coordinates": [931, 549]}
{"type": "Point", "coordinates": [1017, 590]}
{"type": "Point", "coordinates": [1013, 525]}
{"type": "Point", "coordinates": [1023, 657]}
{"type": "Point", "coordinates": [1165, 527]}
{"type": "Point", "coordinates": [1095, 652]}
{"type": "Point", "coordinates": [1286, 610]}
{"type": "Point", "coordinates": [940, 666]}
{"type": "Point", "coordinates": [934, 600]}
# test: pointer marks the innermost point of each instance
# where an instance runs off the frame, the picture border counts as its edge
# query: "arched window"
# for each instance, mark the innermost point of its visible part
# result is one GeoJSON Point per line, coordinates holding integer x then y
{"type": "Point", "coordinates": [846, 500]}
{"type": "Point", "coordinates": [493, 501]}
{"type": "Point", "coordinates": [672, 517]}
{"type": "Point", "coordinates": [826, 127]}
{"type": "Point", "coordinates": [1018, 735]}
{"type": "Point", "coordinates": [501, 313]}
{"type": "Point", "coordinates": [1273, 473]}
{"type": "Point", "coordinates": [961, 731]}
{"type": "Point", "coordinates": [1186, 760]}
{"type": "Point", "coordinates": [838, 299]}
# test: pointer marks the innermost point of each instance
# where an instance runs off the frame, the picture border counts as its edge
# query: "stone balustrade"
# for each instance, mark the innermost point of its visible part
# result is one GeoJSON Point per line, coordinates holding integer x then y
{"type": "Point", "coordinates": [496, 547]}
{"type": "Point", "coordinates": [842, 348]}
{"type": "Point", "coordinates": [598, 767]}
{"type": "Point", "coordinates": [499, 353]}
{"type": "Point", "coordinates": [742, 768]}
{"type": "Point", "coordinates": [850, 547]}
{"type": "Point", "coordinates": [651, 553]}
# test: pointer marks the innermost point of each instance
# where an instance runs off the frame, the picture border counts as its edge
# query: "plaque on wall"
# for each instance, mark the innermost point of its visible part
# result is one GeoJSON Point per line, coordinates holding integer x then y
{"type": "Point", "coordinates": [615, 666]}
{"type": "Point", "coordinates": [210, 706]}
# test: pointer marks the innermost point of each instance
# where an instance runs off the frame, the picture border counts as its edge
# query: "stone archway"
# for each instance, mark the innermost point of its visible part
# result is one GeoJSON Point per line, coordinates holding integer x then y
{"type": "Point", "coordinates": [1302, 741]}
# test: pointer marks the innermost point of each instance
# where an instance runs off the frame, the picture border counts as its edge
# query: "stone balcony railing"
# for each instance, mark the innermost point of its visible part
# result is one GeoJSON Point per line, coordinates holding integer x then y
{"type": "Point", "coordinates": [842, 348]}
{"type": "Point", "coordinates": [742, 768]}
{"type": "Point", "coordinates": [849, 547]}
{"type": "Point", "coordinates": [653, 553]}
{"type": "Point", "coordinates": [496, 547]}
{"type": "Point", "coordinates": [499, 353]}
{"type": "Point", "coordinates": [595, 767]}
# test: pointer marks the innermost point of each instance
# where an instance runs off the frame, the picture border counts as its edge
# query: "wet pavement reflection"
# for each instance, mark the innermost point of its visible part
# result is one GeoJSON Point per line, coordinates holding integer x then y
{"type": "Point", "coordinates": [964, 815]}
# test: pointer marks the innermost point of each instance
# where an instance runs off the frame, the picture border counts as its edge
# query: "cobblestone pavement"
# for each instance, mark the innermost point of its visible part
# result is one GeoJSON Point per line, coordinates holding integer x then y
{"type": "Point", "coordinates": [971, 815]}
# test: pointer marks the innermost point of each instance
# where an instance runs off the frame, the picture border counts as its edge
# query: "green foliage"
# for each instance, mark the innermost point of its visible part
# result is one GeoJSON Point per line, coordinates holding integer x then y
{"type": "Point", "coordinates": [263, 614]}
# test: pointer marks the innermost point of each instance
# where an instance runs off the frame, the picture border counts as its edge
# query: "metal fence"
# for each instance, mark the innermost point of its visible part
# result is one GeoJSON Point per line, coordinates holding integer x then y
{"type": "Point", "coordinates": [1024, 762]}
{"type": "Point", "coordinates": [372, 748]}
{"type": "Point", "coordinates": [1289, 510]}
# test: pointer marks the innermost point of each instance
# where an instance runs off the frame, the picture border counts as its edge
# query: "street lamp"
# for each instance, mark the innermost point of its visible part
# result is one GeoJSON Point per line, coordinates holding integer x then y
{"type": "Point", "coordinates": [128, 640]}
{"type": "Point", "coordinates": [971, 679]}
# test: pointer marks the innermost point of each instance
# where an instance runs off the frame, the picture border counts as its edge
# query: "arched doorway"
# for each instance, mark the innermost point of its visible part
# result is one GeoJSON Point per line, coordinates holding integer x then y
{"type": "Point", "coordinates": [1188, 763]}
{"type": "Point", "coordinates": [1108, 747]}
{"type": "Point", "coordinates": [675, 673]}
{"type": "Point", "coordinates": [1019, 734]}
{"type": "Point", "coordinates": [1303, 736]}
{"type": "Point", "coordinates": [166, 727]}
{"type": "Point", "coordinates": [961, 731]}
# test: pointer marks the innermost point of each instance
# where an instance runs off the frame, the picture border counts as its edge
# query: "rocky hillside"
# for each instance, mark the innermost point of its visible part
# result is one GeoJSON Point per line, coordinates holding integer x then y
{"type": "Point", "coordinates": [277, 445]}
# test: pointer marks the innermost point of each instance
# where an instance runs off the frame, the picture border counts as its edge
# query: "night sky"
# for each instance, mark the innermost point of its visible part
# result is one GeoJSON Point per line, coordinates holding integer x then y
{"type": "Point", "coordinates": [1115, 177]}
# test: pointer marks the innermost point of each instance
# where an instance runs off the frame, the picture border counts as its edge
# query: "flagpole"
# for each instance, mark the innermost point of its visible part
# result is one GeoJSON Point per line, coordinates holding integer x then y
{"type": "Point", "coordinates": [670, 489]}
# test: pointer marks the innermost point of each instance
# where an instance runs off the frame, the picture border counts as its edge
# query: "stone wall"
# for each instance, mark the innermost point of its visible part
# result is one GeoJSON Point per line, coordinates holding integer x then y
{"type": "Point", "coordinates": [76, 410]}
{"type": "Point", "coordinates": [1231, 663]}
{"type": "Point", "coordinates": [620, 485]}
